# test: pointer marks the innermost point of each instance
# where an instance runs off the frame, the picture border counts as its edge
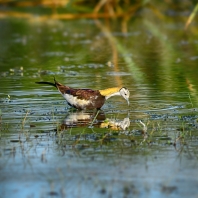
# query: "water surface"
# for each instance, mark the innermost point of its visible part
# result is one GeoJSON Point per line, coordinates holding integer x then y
{"type": "Point", "coordinates": [50, 150]}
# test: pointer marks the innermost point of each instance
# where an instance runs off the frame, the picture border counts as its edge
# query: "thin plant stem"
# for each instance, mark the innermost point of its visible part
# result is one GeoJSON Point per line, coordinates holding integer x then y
{"type": "Point", "coordinates": [23, 122]}
{"type": "Point", "coordinates": [94, 118]}
{"type": "Point", "coordinates": [190, 99]}
{"type": "Point", "coordinates": [191, 17]}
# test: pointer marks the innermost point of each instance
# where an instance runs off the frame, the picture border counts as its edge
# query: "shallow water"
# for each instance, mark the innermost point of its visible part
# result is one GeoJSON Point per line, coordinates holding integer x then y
{"type": "Point", "coordinates": [50, 150]}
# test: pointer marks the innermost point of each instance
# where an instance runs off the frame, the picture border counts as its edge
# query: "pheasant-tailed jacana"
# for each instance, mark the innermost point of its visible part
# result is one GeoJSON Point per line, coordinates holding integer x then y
{"type": "Point", "coordinates": [88, 98]}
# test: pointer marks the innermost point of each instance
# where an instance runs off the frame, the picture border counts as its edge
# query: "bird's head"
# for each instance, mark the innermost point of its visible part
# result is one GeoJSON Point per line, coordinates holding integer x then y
{"type": "Point", "coordinates": [116, 91]}
{"type": "Point", "coordinates": [124, 92]}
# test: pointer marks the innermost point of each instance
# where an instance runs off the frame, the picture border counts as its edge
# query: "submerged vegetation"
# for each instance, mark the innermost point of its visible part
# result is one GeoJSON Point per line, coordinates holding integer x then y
{"type": "Point", "coordinates": [146, 149]}
{"type": "Point", "coordinates": [165, 59]}
{"type": "Point", "coordinates": [89, 129]}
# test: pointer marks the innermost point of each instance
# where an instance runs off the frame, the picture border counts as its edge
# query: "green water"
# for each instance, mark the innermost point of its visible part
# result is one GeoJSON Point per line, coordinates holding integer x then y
{"type": "Point", "coordinates": [156, 61]}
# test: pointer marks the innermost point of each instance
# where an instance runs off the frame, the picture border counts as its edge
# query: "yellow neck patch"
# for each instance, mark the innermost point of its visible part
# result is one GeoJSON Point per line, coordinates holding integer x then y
{"type": "Point", "coordinates": [109, 91]}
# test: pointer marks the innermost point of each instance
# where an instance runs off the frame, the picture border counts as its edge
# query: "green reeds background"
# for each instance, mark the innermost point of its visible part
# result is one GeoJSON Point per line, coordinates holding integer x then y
{"type": "Point", "coordinates": [70, 9]}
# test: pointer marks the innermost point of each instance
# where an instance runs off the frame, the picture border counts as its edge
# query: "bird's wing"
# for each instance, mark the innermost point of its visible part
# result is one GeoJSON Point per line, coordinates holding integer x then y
{"type": "Point", "coordinates": [84, 94]}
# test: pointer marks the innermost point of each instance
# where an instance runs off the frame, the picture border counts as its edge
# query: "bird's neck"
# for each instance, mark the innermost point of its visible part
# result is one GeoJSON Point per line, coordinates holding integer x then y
{"type": "Point", "coordinates": [114, 91]}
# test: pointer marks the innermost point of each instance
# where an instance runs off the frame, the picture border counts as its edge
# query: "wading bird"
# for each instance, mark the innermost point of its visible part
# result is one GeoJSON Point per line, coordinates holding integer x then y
{"type": "Point", "coordinates": [88, 98]}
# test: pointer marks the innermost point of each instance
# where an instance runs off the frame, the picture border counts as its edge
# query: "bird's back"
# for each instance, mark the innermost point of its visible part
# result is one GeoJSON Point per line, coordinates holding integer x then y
{"type": "Point", "coordinates": [82, 98]}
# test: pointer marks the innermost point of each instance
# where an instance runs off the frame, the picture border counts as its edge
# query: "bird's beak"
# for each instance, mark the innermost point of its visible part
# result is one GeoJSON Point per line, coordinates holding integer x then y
{"type": "Point", "coordinates": [128, 102]}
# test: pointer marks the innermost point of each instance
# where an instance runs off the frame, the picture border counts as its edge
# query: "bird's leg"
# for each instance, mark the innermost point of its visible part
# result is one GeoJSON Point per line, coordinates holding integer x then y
{"type": "Point", "coordinates": [94, 118]}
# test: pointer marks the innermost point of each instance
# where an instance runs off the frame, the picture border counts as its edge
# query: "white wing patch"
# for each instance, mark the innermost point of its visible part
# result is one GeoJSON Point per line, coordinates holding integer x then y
{"type": "Point", "coordinates": [74, 101]}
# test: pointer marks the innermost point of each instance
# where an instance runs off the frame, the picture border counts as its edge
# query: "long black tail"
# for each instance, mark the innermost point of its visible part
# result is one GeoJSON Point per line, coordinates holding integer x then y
{"type": "Point", "coordinates": [49, 83]}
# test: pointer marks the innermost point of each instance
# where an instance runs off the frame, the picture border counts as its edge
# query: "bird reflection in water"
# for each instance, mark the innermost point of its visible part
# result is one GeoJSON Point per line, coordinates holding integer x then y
{"type": "Point", "coordinates": [96, 119]}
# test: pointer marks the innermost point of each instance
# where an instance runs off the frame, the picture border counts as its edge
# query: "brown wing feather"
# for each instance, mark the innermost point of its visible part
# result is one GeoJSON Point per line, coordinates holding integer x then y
{"type": "Point", "coordinates": [94, 96]}
{"type": "Point", "coordinates": [62, 88]}
{"type": "Point", "coordinates": [85, 94]}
